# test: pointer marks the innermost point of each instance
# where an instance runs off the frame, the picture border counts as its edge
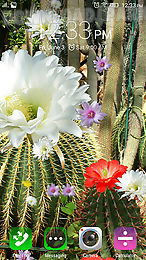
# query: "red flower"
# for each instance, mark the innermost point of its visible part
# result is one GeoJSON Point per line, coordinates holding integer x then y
{"type": "Point", "coordinates": [104, 174]}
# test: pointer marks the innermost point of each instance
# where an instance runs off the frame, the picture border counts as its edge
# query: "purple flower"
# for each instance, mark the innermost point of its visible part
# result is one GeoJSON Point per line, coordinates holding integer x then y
{"type": "Point", "coordinates": [24, 255]}
{"type": "Point", "coordinates": [53, 190]}
{"type": "Point", "coordinates": [68, 190]}
{"type": "Point", "coordinates": [90, 113]}
{"type": "Point", "coordinates": [101, 64]}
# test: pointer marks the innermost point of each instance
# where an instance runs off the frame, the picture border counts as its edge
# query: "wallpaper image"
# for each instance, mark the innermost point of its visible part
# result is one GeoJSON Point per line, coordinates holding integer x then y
{"type": "Point", "coordinates": [72, 129]}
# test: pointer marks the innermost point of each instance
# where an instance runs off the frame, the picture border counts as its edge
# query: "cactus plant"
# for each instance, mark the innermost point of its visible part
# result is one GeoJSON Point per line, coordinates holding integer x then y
{"type": "Point", "coordinates": [108, 212]}
{"type": "Point", "coordinates": [142, 152]}
{"type": "Point", "coordinates": [118, 136]}
{"type": "Point", "coordinates": [139, 82]}
{"type": "Point", "coordinates": [112, 79]}
{"type": "Point", "coordinates": [118, 140]}
{"type": "Point", "coordinates": [18, 165]}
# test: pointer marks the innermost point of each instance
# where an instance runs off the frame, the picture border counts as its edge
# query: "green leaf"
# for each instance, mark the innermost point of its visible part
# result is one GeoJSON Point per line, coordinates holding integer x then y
{"type": "Point", "coordinates": [73, 229]}
{"type": "Point", "coordinates": [69, 208]}
{"type": "Point", "coordinates": [68, 211]}
{"type": "Point", "coordinates": [64, 199]}
{"type": "Point", "coordinates": [70, 230]}
{"type": "Point", "coordinates": [70, 241]}
{"type": "Point", "coordinates": [71, 205]}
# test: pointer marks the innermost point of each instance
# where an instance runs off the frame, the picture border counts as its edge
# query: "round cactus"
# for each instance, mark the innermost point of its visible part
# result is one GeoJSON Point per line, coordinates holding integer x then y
{"type": "Point", "coordinates": [108, 212]}
{"type": "Point", "coordinates": [19, 165]}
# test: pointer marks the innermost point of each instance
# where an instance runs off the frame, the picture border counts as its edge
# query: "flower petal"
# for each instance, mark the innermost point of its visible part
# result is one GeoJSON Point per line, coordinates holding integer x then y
{"type": "Point", "coordinates": [69, 127]}
{"type": "Point", "coordinates": [16, 136]}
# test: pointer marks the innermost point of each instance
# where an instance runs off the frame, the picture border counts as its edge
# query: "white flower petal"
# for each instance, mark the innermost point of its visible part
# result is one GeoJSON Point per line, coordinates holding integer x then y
{"type": "Point", "coordinates": [17, 118]}
{"type": "Point", "coordinates": [16, 136]}
{"type": "Point", "coordinates": [8, 57]}
{"type": "Point", "coordinates": [69, 127]}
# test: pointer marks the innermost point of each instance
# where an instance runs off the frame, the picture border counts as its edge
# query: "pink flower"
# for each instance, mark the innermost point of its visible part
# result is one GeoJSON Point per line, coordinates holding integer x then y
{"type": "Point", "coordinates": [102, 64]}
{"type": "Point", "coordinates": [53, 190]}
{"type": "Point", "coordinates": [68, 190]}
{"type": "Point", "coordinates": [90, 113]}
{"type": "Point", "coordinates": [23, 255]}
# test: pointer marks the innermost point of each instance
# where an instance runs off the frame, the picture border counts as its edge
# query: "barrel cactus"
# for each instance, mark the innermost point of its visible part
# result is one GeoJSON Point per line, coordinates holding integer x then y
{"type": "Point", "coordinates": [108, 212]}
{"type": "Point", "coordinates": [41, 141]}
{"type": "Point", "coordinates": [19, 165]}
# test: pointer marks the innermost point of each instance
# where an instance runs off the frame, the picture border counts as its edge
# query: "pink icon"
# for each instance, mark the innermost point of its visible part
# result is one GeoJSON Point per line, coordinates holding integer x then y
{"type": "Point", "coordinates": [125, 238]}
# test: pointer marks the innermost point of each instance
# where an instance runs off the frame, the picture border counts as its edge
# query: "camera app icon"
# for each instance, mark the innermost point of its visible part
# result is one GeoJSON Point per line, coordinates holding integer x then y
{"type": "Point", "coordinates": [55, 238]}
{"type": "Point", "coordinates": [90, 238]}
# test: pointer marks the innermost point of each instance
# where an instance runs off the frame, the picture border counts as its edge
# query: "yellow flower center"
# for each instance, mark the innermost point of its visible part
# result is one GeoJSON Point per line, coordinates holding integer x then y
{"type": "Point", "coordinates": [53, 190]}
{"type": "Point", "coordinates": [91, 114]}
{"type": "Point", "coordinates": [15, 103]}
{"type": "Point", "coordinates": [105, 172]}
{"type": "Point", "coordinates": [28, 103]}
{"type": "Point", "coordinates": [134, 187]}
{"type": "Point", "coordinates": [45, 27]}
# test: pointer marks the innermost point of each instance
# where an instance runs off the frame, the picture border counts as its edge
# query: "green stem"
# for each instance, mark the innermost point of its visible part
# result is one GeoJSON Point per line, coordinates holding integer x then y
{"type": "Point", "coordinates": [130, 75]}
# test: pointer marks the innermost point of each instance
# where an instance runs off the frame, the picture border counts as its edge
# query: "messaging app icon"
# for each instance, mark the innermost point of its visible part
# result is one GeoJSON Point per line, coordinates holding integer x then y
{"type": "Point", "coordinates": [20, 238]}
{"type": "Point", "coordinates": [55, 238]}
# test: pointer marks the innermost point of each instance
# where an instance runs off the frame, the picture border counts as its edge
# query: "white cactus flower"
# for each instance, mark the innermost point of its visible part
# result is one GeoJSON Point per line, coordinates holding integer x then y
{"type": "Point", "coordinates": [44, 23]}
{"type": "Point", "coordinates": [43, 148]}
{"type": "Point", "coordinates": [32, 201]}
{"type": "Point", "coordinates": [38, 97]}
{"type": "Point", "coordinates": [133, 183]}
{"type": "Point", "coordinates": [56, 4]}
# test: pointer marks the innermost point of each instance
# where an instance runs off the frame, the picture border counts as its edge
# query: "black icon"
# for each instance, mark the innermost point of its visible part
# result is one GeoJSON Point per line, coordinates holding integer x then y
{"type": "Point", "coordinates": [55, 238]}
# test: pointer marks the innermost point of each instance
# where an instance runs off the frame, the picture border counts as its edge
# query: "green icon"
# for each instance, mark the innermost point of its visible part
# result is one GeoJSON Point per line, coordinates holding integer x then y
{"type": "Point", "coordinates": [55, 238]}
{"type": "Point", "coordinates": [20, 238]}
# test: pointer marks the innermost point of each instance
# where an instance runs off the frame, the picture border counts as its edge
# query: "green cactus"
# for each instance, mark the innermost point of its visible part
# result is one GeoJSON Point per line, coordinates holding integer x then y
{"type": "Point", "coordinates": [108, 212]}
{"type": "Point", "coordinates": [142, 152]}
{"type": "Point", "coordinates": [18, 165]}
{"type": "Point", "coordinates": [118, 140]}
{"type": "Point", "coordinates": [112, 81]}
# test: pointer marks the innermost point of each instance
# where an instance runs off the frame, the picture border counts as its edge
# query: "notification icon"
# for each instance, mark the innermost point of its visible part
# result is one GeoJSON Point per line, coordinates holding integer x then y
{"type": "Point", "coordinates": [125, 238]}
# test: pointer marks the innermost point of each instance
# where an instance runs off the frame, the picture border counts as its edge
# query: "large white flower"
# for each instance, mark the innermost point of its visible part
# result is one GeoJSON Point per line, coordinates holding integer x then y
{"type": "Point", "coordinates": [38, 97]}
{"type": "Point", "coordinates": [45, 23]}
{"type": "Point", "coordinates": [55, 4]}
{"type": "Point", "coordinates": [133, 183]}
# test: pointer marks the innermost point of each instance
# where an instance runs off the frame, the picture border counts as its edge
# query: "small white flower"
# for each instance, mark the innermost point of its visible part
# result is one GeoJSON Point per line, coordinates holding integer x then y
{"type": "Point", "coordinates": [55, 4]}
{"type": "Point", "coordinates": [133, 183]}
{"type": "Point", "coordinates": [31, 200]}
{"type": "Point", "coordinates": [43, 148]}
{"type": "Point", "coordinates": [45, 23]}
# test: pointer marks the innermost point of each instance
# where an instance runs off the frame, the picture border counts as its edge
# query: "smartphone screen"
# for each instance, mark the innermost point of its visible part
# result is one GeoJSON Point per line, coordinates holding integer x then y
{"type": "Point", "coordinates": [72, 129]}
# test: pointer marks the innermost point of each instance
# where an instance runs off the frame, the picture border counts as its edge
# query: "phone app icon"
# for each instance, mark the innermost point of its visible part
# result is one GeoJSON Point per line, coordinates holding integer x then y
{"type": "Point", "coordinates": [90, 238]}
{"type": "Point", "coordinates": [20, 238]}
{"type": "Point", "coordinates": [125, 238]}
{"type": "Point", "coordinates": [55, 238]}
